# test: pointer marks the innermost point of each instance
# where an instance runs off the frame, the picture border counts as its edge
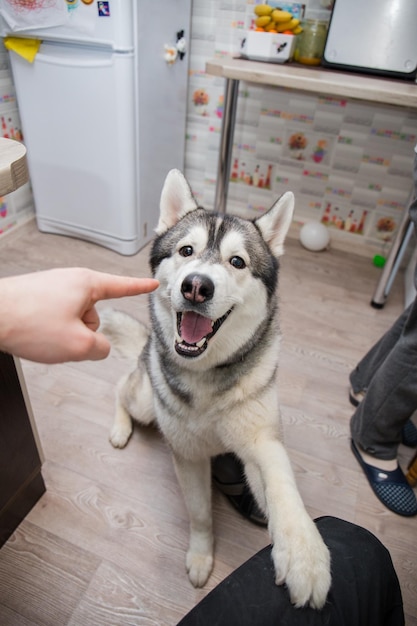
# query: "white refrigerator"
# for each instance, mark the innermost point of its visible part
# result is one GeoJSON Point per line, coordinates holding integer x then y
{"type": "Point", "coordinates": [103, 112]}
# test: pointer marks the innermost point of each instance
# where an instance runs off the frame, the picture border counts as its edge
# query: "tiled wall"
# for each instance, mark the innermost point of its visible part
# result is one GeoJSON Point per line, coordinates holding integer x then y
{"type": "Point", "coordinates": [348, 162]}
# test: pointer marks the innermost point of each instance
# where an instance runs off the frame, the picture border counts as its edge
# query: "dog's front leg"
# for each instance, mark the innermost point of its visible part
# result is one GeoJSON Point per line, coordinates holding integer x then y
{"type": "Point", "coordinates": [195, 481]}
{"type": "Point", "coordinates": [300, 556]}
{"type": "Point", "coordinates": [134, 399]}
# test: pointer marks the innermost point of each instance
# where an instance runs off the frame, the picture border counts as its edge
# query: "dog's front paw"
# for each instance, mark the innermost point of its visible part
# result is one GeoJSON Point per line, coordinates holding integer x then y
{"type": "Point", "coordinates": [199, 567]}
{"type": "Point", "coordinates": [303, 563]}
{"type": "Point", "coordinates": [120, 435]}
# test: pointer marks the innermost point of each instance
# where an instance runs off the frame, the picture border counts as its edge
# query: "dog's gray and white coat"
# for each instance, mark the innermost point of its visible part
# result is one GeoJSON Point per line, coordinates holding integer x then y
{"type": "Point", "coordinates": [207, 375]}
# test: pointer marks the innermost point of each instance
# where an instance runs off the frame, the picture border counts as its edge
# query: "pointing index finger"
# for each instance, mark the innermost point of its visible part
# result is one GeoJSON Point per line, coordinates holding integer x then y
{"type": "Point", "coordinates": [108, 286]}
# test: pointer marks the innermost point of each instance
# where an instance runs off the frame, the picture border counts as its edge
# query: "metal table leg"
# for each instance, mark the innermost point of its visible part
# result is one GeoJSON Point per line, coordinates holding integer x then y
{"type": "Point", "coordinates": [226, 143]}
{"type": "Point", "coordinates": [393, 261]}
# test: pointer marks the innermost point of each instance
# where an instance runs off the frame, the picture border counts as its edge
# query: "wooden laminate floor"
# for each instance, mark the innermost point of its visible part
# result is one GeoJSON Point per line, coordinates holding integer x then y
{"type": "Point", "coordinates": [105, 545]}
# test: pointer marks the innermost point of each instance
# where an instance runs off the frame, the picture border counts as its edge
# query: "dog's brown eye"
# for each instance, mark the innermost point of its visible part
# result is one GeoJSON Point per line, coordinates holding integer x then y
{"type": "Point", "coordinates": [186, 251]}
{"type": "Point", "coordinates": [237, 262]}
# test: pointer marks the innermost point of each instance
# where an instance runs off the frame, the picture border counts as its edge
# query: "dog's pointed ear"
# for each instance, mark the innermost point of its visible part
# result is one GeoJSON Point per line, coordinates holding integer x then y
{"type": "Point", "coordinates": [274, 224]}
{"type": "Point", "coordinates": [176, 201]}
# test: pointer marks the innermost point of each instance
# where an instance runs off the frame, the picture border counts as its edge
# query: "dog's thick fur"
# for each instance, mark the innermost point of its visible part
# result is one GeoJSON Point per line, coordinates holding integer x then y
{"type": "Point", "coordinates": [213, 390]}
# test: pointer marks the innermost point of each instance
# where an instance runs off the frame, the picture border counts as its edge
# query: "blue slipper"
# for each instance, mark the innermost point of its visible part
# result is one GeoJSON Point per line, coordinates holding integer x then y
{"type": "Point", "coordinates": [409, 435]}
{"type": "Point", "coordinates": [391, 488]}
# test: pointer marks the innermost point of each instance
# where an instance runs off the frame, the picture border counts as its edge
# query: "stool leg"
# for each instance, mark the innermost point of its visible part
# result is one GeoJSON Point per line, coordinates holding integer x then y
{"type": "Point", "coordinates": [391, 266]}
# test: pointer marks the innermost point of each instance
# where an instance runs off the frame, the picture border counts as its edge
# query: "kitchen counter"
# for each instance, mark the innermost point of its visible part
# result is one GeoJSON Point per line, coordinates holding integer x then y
{"type": "Point", "coordinates": [317, 80]}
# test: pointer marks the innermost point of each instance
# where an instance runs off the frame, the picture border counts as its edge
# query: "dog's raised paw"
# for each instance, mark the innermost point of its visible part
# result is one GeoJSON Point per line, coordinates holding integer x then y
{"type": "Point", "coordinates": [307, 575]}
{"type": "Point", "coordinates": [120, 436]}
{"type": "Point", "coordinates": [199, 567]}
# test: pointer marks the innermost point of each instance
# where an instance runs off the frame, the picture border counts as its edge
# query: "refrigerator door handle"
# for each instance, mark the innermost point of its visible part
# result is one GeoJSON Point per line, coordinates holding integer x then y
{"type": "Point", "coordinates": [90, 59]}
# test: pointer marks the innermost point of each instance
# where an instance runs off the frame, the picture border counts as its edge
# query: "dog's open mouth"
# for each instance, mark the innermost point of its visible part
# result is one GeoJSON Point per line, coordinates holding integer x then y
{"type": "Point", "coordinates": [194, 331]}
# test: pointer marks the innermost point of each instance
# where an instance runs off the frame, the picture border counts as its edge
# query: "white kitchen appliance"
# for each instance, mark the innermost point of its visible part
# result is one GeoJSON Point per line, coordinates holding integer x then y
{"type": "Point", "coordinates": [103, 111]}
{"type": "Point", "coordinates": [373, 36]}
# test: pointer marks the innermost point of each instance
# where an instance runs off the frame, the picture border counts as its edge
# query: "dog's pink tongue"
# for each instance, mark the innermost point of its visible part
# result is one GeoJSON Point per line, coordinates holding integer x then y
{"type": "Point", "coordinates": [194, 327]}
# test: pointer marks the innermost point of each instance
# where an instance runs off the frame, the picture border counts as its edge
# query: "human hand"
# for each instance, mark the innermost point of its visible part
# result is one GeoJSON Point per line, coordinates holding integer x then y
{"type": "Point", "coordinates": [50, 316]}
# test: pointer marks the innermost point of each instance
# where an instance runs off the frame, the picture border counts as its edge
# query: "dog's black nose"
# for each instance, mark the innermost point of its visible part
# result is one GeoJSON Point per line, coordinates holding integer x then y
{"type": "Point", "coordinates": [197, 288]}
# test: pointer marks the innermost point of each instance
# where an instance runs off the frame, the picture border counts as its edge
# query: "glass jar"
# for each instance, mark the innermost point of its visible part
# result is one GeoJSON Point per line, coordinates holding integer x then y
{"type": "Point", "coordinates": [310, 43]}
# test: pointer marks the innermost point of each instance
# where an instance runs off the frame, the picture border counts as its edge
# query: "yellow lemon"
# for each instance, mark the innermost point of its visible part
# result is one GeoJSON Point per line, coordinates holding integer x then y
{"type": "Point", "coordinates": [281, 16]}
{"type": "Point", "coordinates": [293, 23]}
{"type": "Point", "coordinates": [281, 26]}
{"type": "Point", "coordinates": [262, 9]}
{"type": "Point", "coordinates": [262, 21]}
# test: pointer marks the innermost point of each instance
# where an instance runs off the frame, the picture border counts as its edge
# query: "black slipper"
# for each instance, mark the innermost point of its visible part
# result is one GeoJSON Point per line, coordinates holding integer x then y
{"type": "Point", "coordinates": [390, 487]}
{"type": "Point", "coordinates": [229, 477]}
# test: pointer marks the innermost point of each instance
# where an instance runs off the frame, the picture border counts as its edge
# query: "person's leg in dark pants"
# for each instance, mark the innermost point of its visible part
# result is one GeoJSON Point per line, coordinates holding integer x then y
{"type": "Point", "coordinates": [388, 374]}
{"type": "Point", "coordinates": [364, 592]}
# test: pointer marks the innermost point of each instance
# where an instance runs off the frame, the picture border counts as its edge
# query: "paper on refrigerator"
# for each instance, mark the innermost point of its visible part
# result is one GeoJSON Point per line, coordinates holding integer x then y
{"type": "Point", "coordinates": [30, 14]}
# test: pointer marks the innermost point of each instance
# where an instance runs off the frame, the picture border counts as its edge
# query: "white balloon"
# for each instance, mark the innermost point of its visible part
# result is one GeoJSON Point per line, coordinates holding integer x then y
{"type": "Point", "coordinates": [314, 236]}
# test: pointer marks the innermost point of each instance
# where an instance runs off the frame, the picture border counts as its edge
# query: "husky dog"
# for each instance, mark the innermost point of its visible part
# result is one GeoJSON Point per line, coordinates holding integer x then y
{"type": "Point", "coordinates": [207, 375]}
